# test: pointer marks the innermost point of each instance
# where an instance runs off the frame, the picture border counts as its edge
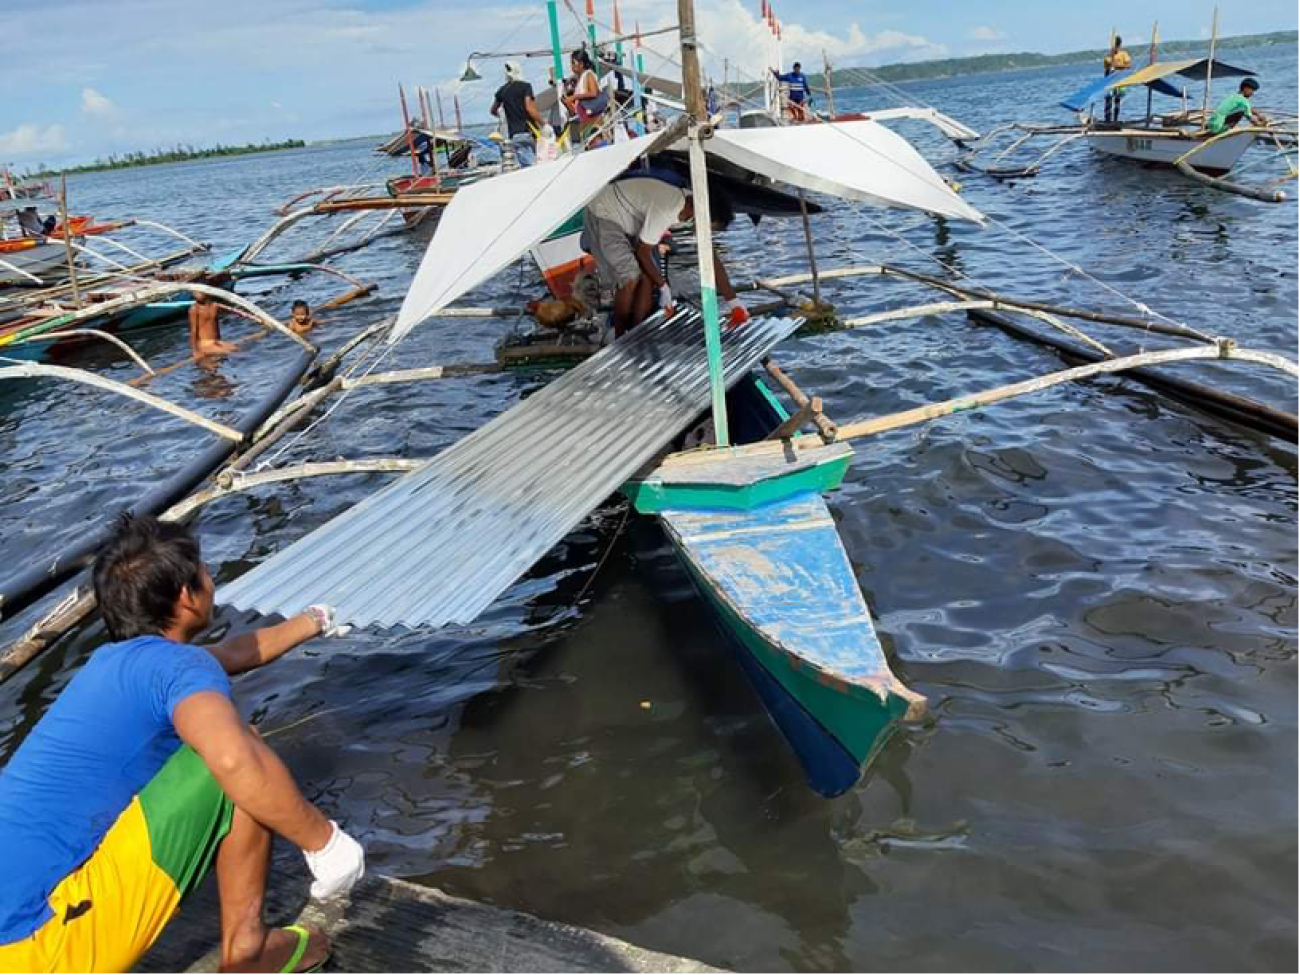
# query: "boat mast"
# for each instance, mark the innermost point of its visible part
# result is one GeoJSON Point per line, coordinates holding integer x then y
{"type": "Point", "coordinates": [591, 26]}
{"type": "Point", "coordinates": [406, 124]}
{"type": "Point", "coordinates": [699, 130]}
{"type": "Point", "coordinates": [826, 77]}
{"type": "Point", "coordinates": [67, 239]}
{"type": "Point", "coordinates": [557, 58]}
{"type": "Point", "coordinates": [1151, 59]}
{"type": "Point", "coordinates": [1209, 67]}
{"type": "Point", "coordinates": [638, 92]}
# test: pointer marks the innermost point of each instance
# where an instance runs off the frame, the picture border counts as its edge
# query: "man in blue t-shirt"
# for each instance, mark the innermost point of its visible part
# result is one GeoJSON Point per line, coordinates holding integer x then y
{"type": "Point", "coordinates": [799, 95]}
{"type": "Point", "coordinates": [141, 776]}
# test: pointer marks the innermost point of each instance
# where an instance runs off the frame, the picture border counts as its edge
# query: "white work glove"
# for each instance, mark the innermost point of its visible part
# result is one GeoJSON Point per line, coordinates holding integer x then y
{"type": "Point", "coordinates": [324, 617]}
{"type": "Point", "coordinates": [336, 866]}
{"type": "Point", "coordinates": [665, 299]}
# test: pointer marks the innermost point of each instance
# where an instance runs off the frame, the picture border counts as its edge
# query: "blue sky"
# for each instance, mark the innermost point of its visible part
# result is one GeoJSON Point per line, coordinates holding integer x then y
{"type": "Point", "coordinates": [100, 76]}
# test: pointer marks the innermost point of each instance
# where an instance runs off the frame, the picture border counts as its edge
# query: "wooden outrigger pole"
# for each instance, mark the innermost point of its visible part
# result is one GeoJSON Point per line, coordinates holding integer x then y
{"type": "Point", "coordinates": [699, 131]}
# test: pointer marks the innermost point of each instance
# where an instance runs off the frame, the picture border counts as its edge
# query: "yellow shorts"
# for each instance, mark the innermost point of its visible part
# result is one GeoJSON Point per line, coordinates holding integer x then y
{"type": "Point", "coordinates": [111, 909]}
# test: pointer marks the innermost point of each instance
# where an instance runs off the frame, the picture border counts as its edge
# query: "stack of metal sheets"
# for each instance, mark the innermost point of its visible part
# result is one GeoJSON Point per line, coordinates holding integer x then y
{"type": "Point", "coordinates": [441, 544]}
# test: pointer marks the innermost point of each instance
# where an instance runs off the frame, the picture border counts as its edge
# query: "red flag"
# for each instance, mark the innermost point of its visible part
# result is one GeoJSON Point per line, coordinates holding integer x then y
{"type": "Point", "coordinates": [765, 9]}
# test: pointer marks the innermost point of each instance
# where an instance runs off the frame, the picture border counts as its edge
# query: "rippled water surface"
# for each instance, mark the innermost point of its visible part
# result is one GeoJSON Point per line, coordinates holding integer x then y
{"type": "Point", "coordinates": [1095, 587]}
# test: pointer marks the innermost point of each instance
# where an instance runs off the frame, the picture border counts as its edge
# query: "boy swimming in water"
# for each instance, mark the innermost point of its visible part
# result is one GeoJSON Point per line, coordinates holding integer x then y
{"type": "Point", "coordinates": [205, 332]}
{"type": "Point", "coordinates": [300, 317]}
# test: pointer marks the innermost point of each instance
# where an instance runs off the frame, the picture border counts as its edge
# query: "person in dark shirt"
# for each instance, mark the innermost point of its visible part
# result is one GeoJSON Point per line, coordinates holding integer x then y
{"type": "Point", "coordinates": [515, 97]}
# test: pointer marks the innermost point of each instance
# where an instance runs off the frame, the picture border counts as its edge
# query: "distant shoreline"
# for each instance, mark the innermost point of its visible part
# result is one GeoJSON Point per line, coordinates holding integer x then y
{"type": "Point", "coordinates": [161, 156]}
{"type": "Point", "coordinates": [989, 63]}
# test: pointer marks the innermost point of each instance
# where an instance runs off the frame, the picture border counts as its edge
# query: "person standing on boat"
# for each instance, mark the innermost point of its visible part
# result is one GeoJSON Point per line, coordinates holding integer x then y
{"type": "Point", "coordinates": [205, 331]}
{"type": "Point", "coordinates": [622, 228]}
{"type": "Point", "coordinates": [1116, 59]}
{"type": "Point", "coordinates": [515, 97]}
{"type": "Point", "coordinates": [799, 95]}
{"type": "Point", "coordinates": [142, 775]}
{"type": "Point", "coordinates": [1236, 107]}
{"type": "Point", "coordinates": [588, 102]}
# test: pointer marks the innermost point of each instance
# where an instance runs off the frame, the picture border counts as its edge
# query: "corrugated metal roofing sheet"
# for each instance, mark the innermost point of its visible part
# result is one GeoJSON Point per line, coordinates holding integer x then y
{"type": "Point", "coordinates": [442, 543]}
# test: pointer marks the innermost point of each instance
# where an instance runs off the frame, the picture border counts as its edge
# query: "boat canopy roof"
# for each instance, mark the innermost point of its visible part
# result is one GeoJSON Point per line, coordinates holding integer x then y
{"type": "Point", "coordinates": [1156, 76]}
{"type": "Point", "coordinates": [490, 223]}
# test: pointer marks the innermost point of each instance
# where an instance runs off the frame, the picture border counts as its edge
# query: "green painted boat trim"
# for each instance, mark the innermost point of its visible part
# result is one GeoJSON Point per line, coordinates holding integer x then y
{"type": "Point", "coordinates": [651, 497]}
{"type": "Point", "coordinates": [777, 406]}
{"type": "Point", "coordinates": [571, 226]}
{"type": "Point", "coordinates": [855, 716]}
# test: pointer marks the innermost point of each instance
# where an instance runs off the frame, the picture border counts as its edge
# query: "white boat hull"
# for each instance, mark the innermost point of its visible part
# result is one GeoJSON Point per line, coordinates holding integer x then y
{"type": "Point", "coordinates": [1214, 160]}
{"type": "Point", "coordinates": [34, 261]}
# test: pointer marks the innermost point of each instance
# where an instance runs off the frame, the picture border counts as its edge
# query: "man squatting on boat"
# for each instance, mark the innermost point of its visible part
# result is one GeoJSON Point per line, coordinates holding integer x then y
{"type": "Point", "coordinates": [141, 775]}
{"type": "Point", "coordinates": [622, 228]}
{"type": "Point", "coordinates": [1236, 107]}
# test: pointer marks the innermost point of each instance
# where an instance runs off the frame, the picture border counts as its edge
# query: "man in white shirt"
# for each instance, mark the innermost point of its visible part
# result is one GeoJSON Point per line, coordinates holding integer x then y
{"type": "Point", "coordinates": [622, 228]}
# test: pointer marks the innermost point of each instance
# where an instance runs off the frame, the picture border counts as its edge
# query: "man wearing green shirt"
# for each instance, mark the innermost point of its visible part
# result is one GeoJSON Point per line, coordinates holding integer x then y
{"type": "Point", "coordinates": [1236, 107]}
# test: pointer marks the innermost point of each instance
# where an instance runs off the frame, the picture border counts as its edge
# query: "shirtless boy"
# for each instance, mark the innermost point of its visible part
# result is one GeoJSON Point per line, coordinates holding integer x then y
{"type": "Point", "coordinates": [300, 317]}
{"type": "Point", "coordinates": [205, 333]}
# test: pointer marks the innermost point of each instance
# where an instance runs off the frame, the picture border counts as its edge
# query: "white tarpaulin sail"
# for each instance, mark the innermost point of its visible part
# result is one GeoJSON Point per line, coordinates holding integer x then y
{"type": "Point", "coordinates": [860, 161]}
{"type": "Point", "coordinates": [490, 223]}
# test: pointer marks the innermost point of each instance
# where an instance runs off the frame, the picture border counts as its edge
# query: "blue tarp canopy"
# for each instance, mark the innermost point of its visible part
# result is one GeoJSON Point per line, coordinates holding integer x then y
{"type": "Point", "coordinates": [1154, 76]}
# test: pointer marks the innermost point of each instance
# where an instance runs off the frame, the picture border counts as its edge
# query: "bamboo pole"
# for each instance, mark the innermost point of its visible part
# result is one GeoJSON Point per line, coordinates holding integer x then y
{"type": "Point", "coordinates": [1209, 67]}
{"type": "Point", "coordinates": [812, 256]}
{"type": "Point", "coordinates": [406, 124]}
{"type": "Point", "coordinates": [243, 482]}
{"type": "Point", "coordinates": [826, 77]}
{"type": "Point", "coordinates": [36, 370]}
{"type": "Point", "coordinates": [425, 373]}
{"type": "Point", "coordinates": [1083, 314]}
{"type": "Point", "coordinates": [95, 333]}
{"type": "Point", "coordinates": [67, 237]}
{"type": "Point", "coordinates": [1223, 349]}
{"type": "Point", "coordinates": [826, 429]}
{"type": "Point", "coordinates": [945, 307]}
{"type": "Point", "coordinates": [1151, 59]}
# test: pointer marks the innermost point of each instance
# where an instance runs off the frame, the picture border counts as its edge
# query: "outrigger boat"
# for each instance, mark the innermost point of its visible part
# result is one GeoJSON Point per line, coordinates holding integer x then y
{"type": "Point", "coordinates": [346, 217]}
{"type": "Point", "coordinates": [1177, 138]}
{"type": "Point", "coordinates": [748, 519]}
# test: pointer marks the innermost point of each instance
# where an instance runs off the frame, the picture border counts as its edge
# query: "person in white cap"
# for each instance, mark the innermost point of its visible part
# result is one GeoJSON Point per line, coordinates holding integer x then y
{"type": "Point", "coordinates": [523, 119]}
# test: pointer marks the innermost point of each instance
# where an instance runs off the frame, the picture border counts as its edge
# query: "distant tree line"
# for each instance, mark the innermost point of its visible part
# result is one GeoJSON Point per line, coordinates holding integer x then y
{"type": "Point", "coordinates": [178, 153]}
{"type": "Point", "coordinates": [954, 67]}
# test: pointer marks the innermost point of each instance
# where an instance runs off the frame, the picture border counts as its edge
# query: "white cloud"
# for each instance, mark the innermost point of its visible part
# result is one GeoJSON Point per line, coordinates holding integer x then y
{"type": "Point", "coordinates": [96, 105]}
{"type": "Point", "coordinates": [983, 33]}
{"type": "Point", "coordinates": [29, 140]}
{"type": "Point", "coordinates": [734, 31]}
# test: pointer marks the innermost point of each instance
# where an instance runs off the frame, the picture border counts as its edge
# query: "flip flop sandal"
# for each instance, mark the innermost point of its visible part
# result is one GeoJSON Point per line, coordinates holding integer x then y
{"type": "Point", "coordinates": [304, 937]}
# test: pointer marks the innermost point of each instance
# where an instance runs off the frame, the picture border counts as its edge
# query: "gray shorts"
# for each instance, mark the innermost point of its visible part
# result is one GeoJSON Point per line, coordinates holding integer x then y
{"type": "Point", "coordinates": [613, 250]}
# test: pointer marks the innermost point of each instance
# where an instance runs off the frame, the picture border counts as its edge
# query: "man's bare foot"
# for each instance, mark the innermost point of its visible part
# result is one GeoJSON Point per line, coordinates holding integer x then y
{"type": "Point", "coordinates": [278, 947]}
